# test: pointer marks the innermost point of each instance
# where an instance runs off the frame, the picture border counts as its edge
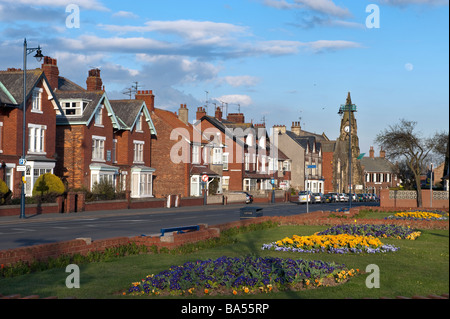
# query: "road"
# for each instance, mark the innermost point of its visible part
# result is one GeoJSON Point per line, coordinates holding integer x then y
{"type": "Point", "coordinates": [49, 228]}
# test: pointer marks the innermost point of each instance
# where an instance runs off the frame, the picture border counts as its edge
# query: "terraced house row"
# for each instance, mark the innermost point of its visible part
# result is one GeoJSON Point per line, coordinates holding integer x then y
{"type": "Point", "coordinates": [84, 137]}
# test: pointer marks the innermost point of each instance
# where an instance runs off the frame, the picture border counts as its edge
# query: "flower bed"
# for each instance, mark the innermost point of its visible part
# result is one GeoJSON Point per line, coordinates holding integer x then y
{"type": "Point", "coordinates": [338, 244]}
{"type": "Point", "coordinates": [419, 215]}
{"type": "Point", "coordinates": [380, 231]}
{"type": "Point", "coordinates": [241, 276]}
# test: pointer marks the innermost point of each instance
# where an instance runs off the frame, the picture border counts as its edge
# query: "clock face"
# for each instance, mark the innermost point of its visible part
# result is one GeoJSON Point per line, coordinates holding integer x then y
{"type": "Point", "coordinates": [347, 129]}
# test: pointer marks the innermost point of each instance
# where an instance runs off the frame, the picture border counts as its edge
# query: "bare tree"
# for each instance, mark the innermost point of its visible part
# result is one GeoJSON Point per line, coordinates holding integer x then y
{"type": "Point", "coordinates": [401, 142]}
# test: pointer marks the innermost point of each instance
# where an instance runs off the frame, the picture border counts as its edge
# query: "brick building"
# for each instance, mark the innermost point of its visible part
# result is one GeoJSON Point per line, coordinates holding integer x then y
{"type": "Point", "coordinates": [379, 173]}
{"type": "Point", "coordinates": [240, 153]}
{"type": "Point", "coordinates": [41, 109]}
{"type": "Point", "coordinates": [98, 139]}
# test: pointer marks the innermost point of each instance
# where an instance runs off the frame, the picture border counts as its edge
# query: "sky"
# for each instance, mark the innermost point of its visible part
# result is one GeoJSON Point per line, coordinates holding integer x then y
{"type": "Point", "coordinates": [276, 61]}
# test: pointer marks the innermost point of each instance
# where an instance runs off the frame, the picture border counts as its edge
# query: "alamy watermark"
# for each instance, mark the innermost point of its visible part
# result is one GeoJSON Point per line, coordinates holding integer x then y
{"type": "Point", "coordinates": [373, 19]}
{"type": "Point", "coordinates": [373, 279]}
{"type": "Point", "coordinates": [73, 280]}
{"type": "Point", "coordinates": [73, 19]}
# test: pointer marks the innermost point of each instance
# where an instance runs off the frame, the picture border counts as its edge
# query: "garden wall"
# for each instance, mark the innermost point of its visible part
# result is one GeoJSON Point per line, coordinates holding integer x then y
{"type": "Point", "coordinates": [85, 245]}
{"type": "Point", "coordinates": [393, 198]}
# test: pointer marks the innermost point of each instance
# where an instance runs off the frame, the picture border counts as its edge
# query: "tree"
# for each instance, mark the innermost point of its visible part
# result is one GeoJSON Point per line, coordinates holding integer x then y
{"type": "Point", "coordinates": [401, 142]}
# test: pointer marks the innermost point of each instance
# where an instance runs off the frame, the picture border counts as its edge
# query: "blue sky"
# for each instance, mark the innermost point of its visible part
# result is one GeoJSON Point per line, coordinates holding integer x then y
{"type": "Point", "coordinates": [275, 60]}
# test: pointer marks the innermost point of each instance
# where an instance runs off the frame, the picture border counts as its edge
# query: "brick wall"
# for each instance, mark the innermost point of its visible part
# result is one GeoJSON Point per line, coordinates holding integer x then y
{"type": "Point", "coordinates": [387, 201]}
{"type": "Point", "coordinates": [170, 178]}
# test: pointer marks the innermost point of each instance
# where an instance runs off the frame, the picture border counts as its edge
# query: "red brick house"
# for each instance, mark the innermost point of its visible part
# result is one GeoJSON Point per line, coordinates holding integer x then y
{"type": "Point", "coordinates": [42, 108]}
{"type": "Point", "coordinates": [172, 151]}
{"type": "Point", "coordinates": [241, 153]}
{"type": "Point", "coordinates": [131, 150]}
{"type": "Point", "coordinates": [98, 139]}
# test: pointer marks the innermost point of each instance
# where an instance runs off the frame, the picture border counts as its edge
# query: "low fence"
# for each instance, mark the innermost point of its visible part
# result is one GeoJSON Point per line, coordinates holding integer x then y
{"type": "Point", "coordinates": [408, 199]}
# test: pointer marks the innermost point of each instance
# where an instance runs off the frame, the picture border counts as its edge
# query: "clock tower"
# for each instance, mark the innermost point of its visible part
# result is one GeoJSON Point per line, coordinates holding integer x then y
{"type": "Point", "coordinates": [346, 166]}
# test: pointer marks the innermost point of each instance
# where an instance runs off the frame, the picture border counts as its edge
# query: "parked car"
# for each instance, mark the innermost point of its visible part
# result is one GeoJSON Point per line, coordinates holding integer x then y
{"type": "Point", "coordinates": [248, 198]}
{"type": "Point", "coordinates": [343, 197]}
{"type": "Point", "coordinates": [304, 196]}
{"type": "Point", "coordinates": [360, 198]}
{"type": "Point", "coordinates": [334, 197]}
{"type": "Point", "coordinates": [318, 198]}
{"type": "Point", "coordinates": [328, 198]}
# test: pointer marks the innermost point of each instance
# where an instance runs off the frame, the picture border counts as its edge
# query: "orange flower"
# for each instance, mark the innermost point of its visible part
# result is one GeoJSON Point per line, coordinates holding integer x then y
{"type": "Point", "coordinates": [206, 291]}
{"type": "Point", "coordinates": [234, 292]}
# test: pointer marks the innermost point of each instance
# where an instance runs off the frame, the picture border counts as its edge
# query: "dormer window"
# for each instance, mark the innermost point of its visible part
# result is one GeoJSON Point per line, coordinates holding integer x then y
{"type": "Point", "coordinates": [139, 122]}
{"type": "Point", "coordinates": [74, 108]}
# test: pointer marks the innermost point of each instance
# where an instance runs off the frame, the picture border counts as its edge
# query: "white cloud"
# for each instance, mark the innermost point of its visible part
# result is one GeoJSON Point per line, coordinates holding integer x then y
{"type": "Point", "coordinates": [409, 67]}
{"type": "Point", "coordinates": [408, 2]}
{"type": "Point", "coordinates": [331, 45]}
{"type": "Point", "coordinates": [242, 80]}
{"type": "Point", "coordinates": [86, 4]}
{"type": "Point", "coordinates": [125, 15]}
{"type": "Point", "coordinates": [242, 100]}
{"type": "Point", "coordinates": [327, 7]}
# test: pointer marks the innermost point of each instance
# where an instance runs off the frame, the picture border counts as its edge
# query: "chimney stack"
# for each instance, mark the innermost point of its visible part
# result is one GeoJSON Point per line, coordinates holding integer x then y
{"type": "Point", "coordinates": [372, 152]}
{"type": "Point", "coordinates": [218, 113]}
{"type": "Point", "coordinates": [279, 129]}
{"type": "Point", "coordinates": [94, 81]}
{"type": "Point", "coordinates": [236, 117]}
{"type": "Point", "coordinates": [183, 114]}
{"type": "Point", "coordinates": [51, 71]}
{"type": "Point", "coordinates": [382, 153]}
{"type": "Point", "coordinates": [148, 97]}
{"type": "Point", "coordinates": [296, 128]}
{"type": "Point", "coordinates": [200, 113]}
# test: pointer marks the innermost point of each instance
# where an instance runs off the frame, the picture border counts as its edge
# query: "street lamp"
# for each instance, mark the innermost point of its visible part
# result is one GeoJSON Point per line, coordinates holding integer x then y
{"type": "Point", "coordinates": [38, 56]}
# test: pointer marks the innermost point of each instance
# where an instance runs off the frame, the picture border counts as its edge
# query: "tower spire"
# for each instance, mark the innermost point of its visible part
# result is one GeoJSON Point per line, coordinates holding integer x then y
{"type": "Point", "coordinates": [349, 99]}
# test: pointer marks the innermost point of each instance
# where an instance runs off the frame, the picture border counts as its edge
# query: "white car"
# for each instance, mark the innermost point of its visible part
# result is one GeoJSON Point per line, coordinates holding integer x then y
{"type": "Point", "coordinates": [343, 197]}
{"type": "Point", "coordinates": [304, 197]}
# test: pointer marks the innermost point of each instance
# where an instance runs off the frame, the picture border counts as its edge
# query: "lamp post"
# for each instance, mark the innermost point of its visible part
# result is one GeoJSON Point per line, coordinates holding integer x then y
{"type": "Point", "coordinates": [38, 57]}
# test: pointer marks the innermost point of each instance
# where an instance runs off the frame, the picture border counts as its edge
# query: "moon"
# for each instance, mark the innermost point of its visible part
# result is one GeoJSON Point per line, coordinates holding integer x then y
{"type": "Point", "coordinates": [409, 67]}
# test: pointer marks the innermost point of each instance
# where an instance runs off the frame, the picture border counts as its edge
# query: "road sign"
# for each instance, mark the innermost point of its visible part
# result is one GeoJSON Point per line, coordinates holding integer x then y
{"type": "Point", "coordinates": [22, 161]}
{"type": "Point", "coordinates": [311, 166]}
{"type": "Point", "coordinates": [205, 178]}
{"type": "Point", "coordinates": [21, 168]}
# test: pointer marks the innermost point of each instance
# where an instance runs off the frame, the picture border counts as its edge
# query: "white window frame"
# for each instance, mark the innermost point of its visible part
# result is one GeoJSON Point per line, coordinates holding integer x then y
{"type": "Point", "coordinates": [36, 100]}
{"type": "Point", "coordinates": [225, 161]}
{"type": "Point", "coordinates": [98, 148]}
{"type": "Point", "coordinates": [36, 138]}
{"type": "Point", "coordinates": [217, 156]}
{"type": "Point", "coordinates": [138, 152]}
{"type": "Point", "coordinates": [196, 154]}
{"type": "Point", "coordinates": [1, 137]}
{"type": "Point", "coordinates": [140, 123]}
{"type": "Point", "coordinates": [98, 117]}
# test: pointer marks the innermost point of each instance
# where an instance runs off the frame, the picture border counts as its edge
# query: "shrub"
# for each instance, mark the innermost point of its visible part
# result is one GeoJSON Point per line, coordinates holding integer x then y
{"type": "Point", "coordinates": [4, 192]}
{"type": "Point", "coordinates": [48, 183]}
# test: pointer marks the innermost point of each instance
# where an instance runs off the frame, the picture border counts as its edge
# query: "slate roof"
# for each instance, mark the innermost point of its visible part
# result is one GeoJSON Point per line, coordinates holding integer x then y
{"type": "Point", "coordinates": [11, 85]}
{"type": "Point", "coordinates": [127, 110]}
{"type": "Point", "coordinates": [305, 141]}
{"type": "Point", "coordinates": [92, 97]}
{"type": "Point", "coordinates": [377, 164]}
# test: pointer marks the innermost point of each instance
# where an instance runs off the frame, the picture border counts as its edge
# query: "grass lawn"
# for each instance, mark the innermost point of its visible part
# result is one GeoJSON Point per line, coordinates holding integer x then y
{"type": "Point", "coordinates": [420, 267]}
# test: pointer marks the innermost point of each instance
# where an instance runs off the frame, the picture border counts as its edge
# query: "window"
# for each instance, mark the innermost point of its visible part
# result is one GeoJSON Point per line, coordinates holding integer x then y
{"type": "Point", "coordinates": [225, 183]}
{"type": "Point", "coordinates": [99, 115]}
{"type": "Point", "coordinates": [1, 137]}
{"type": "Point", "coordinates": [36, 138]}
{"type": "Point", "coordinates": [98, 148]}
{"type": "Point", "coordinates": [139, 123]}
{"type": "Point", "coordinates": [114, 151]}
{"type": "Point", "coordinates": [138, 151]}
{"type": "Point", "coordinates": [36, 104]}
{"type": "Point", "coordinates": [195, 154]}
{"type": "Point", "coordinates": [247, 162]}
{"type": "Point", "coordinates": [141, 182]}
{"type": "Point", "coordinates": [225, 161]}
{"type": "Point", "coordinates": [217, 155]}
